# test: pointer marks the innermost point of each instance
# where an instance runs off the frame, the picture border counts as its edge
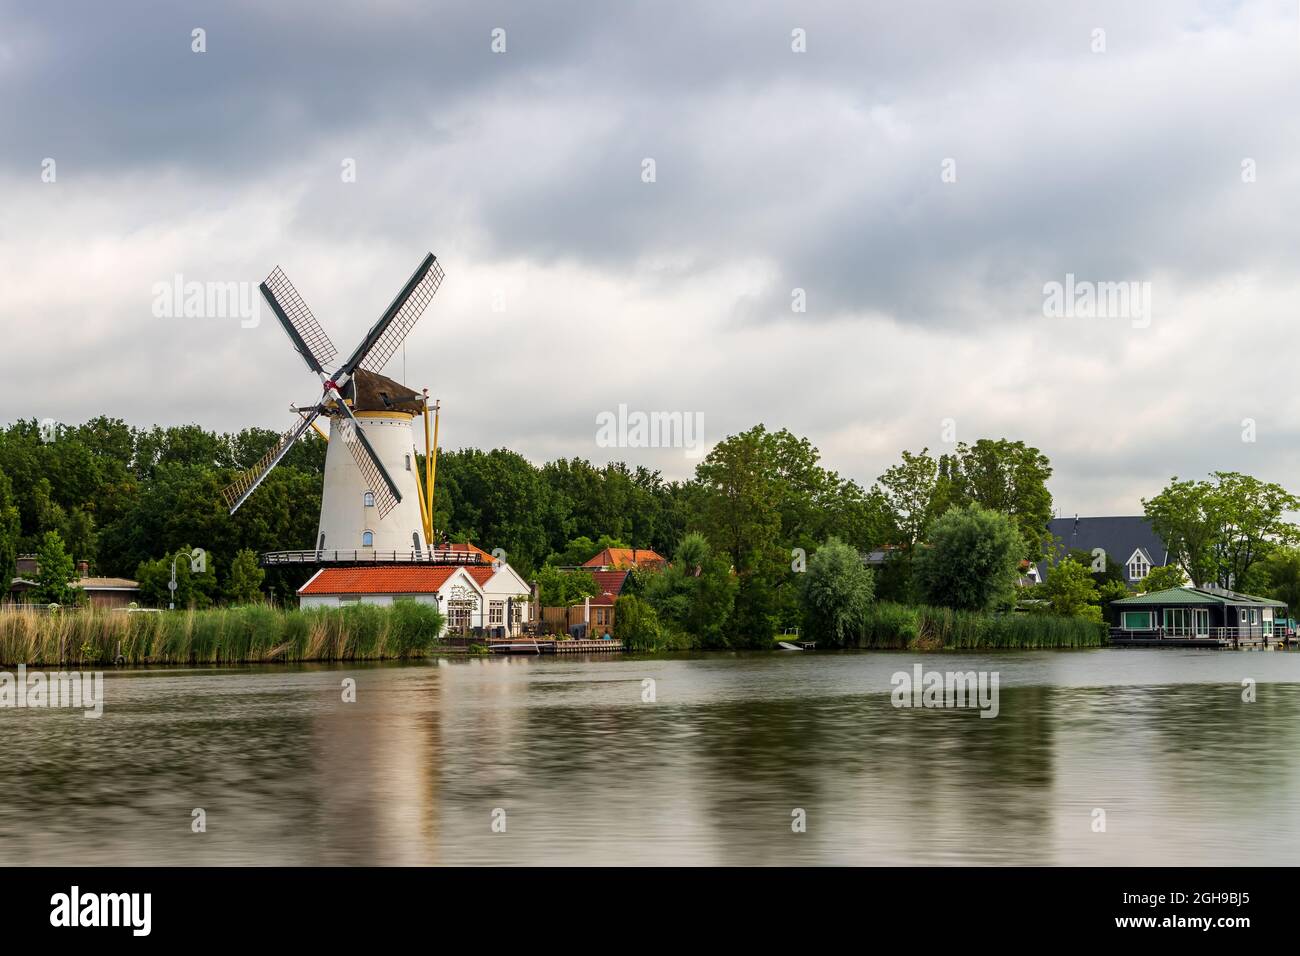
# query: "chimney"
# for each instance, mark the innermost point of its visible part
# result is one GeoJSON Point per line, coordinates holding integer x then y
{"type": "Point", "coordinates": [83, 569]}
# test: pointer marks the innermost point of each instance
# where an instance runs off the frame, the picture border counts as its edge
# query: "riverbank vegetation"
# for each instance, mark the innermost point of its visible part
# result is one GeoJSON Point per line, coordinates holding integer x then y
{"type": "Point", "coordinates": [743, 534]}
{"type": "Point", "coordinates": [235, 635]}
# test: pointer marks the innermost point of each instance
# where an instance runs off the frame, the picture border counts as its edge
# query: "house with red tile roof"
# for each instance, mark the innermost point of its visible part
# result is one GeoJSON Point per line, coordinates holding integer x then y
{"type": "Point", "coordinates": [621, 559]}
{"type": "Point", "coordinates": [596, 612]}
{"type": "Point", "coordinates": [470, 596]}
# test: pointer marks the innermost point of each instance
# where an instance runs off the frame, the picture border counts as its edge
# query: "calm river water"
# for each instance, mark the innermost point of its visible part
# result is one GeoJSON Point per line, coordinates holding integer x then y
{"type": "Point", "coordinates": [582, 770]}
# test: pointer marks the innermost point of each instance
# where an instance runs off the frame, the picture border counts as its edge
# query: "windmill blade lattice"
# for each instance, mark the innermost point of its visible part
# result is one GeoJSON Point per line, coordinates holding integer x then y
{"type": "Point", "coordinates": [385, 500]}
{"type": "Point", "coordinates": [404, 321]}
{"type": "Point", "coordinates": [247, 483]}
{"type": "Point", "coordinates": [304, 331]}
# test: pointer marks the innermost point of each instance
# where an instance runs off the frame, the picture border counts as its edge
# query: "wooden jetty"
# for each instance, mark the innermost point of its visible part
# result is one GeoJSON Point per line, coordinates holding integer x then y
{"type": "Point", "coordinates": [542, 645]}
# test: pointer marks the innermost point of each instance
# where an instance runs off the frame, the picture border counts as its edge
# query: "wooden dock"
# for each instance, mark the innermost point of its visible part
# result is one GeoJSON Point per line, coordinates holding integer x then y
{"type": "Point", "coordinates": [540, 645]}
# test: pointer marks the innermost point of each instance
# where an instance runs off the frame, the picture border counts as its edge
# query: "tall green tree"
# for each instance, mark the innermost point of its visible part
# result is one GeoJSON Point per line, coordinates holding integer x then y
{"type": "Point", "coordinates": [10, 530]}
{"type": "Point", "coordinates": [1070, 590]}
{"type": "Point", "coordinates": [244, 582]}
{"type": "Point", "coordinates": [694, 597]}
{"type": "Point", "coordinates": [837, 592]}
{"type": "Point", "coordinates": [1009, 477]}
{"type": "Point", "coordinates": [55, 573]}
{"type": "Point", "coordinates": [971, 561]}
{"type": "Point", "coordinates": [1217, 530]}
{"type": "Point", "coordinates": [1281, 572]}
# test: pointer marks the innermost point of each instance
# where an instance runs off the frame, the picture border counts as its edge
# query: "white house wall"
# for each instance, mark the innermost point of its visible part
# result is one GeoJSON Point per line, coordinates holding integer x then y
{"type": "Point", "coordinates": [503, 585]}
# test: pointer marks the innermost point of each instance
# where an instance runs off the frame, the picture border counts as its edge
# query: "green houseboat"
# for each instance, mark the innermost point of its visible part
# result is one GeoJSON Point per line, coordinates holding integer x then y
{"type": "Point", "coordinates": [1199, 616]}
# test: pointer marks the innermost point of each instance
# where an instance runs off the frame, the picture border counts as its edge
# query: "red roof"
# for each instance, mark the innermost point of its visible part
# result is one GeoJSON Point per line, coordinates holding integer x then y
{"type": "Point", "coordinates": [610, 582]}
{"type": "Point", "coordinates": [395, 579]}
{"type": "Point", "coordinates": [481, 573]}
{"type": "Point", "coordinates": [472, 549]}
{"type": "Point", "coordinates": [625, 558]}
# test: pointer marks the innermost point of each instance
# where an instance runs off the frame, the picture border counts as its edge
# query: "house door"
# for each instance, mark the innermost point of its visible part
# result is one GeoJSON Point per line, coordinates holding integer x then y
{"type": "Point", "coordinates": [1201, 618]}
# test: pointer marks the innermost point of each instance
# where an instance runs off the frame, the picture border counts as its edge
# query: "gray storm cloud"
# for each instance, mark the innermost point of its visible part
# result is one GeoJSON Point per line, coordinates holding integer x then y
{"type": "Point", "coordinates": [775, 170]}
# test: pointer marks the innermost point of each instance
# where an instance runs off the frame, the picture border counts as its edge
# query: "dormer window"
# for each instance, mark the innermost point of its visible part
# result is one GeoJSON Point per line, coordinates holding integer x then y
{"type": "Point", "coordinates": [368, 499]}
{"type": "Point", "coordinates": [1139, 566]}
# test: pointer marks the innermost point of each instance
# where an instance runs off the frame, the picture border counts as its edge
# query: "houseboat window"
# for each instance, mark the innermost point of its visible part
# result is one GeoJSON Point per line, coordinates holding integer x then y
{"type": "Point", "coordinates": [1136, 621]}
{"type": "Point", "coordinates": [1178, 620]}
{"type": "Point", "coordinates": [367, 539]}
{"type": "Point", "coordinates": [368, 499]}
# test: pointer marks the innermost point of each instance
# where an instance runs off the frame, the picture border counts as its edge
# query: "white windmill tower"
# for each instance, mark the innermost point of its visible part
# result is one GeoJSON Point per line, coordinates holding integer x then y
{"type": "Point", "coordinates": [372, 507]}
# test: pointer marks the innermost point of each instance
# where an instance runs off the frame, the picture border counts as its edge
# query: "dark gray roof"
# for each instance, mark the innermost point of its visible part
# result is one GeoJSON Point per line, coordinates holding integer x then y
{"type": "Point", "coordinates": [1118, 536]}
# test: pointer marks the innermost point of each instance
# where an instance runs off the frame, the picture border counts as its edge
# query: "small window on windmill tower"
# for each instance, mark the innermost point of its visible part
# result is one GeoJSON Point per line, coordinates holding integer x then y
{"type": "Point", "coordinates": [408, 462]}
{"type": "Point", "coordinates": [367, 539]}
{"type": "Point", "coordinates": [368, 499]}
{"type": "Point", "coordinates": [386, 400]}
{"type": "Point", "coordinates": [415, 539]}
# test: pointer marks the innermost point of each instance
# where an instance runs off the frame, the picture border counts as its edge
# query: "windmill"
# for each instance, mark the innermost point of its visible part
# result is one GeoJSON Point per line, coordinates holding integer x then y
{"type": "Point", "coordinates": [371, 497]}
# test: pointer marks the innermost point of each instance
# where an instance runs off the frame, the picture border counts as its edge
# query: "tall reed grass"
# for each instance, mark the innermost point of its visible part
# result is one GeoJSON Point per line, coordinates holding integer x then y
{"type": "Point", "coordinates": [236, 635]}
{"type": "Point", "coordinates": [904, 627]}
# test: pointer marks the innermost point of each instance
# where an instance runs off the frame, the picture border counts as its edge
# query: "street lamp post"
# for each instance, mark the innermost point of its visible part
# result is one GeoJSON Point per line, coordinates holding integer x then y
{"type": "Point", "coordinates": [171, 586]}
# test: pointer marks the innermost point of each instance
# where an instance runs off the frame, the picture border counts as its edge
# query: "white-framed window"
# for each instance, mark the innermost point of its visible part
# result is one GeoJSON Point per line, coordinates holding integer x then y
{"type": "Point", "coordinates": [368, 499]}
{"type": "Point", "coordinates": [497, 612]}
{"type": "Point", "coordinates": [461, 605]}
{"type": "Point", "coordinates": [348, 599]}
{"type": "Point", "coordinates": [1138, 566]}
{"type": "Point", "coordinates": [367, 539]}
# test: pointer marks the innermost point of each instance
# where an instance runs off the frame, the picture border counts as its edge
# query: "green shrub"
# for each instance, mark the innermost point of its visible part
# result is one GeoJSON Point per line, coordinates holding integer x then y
{"type": "Point", "coordinates": [636, 624]}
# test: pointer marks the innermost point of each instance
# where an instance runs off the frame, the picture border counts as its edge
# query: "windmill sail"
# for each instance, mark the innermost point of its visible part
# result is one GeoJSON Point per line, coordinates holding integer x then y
{"type": "Point", "coordinates": [298, 321]}
{"type": "Point", "coordinates": [409, 313]}
{"type": "Point", "coordinates": [378, 482]}
{"type": "Point", "coordinates": [238, 490]}
{"type": "Point", "coordinates": [386, 335]}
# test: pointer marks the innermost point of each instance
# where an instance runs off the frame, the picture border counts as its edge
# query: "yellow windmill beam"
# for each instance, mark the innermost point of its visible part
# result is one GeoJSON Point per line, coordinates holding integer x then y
{"type": "Point", "coordinates": [431, 452]}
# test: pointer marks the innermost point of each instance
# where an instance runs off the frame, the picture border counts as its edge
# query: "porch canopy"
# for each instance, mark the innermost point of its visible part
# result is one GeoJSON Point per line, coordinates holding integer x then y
{"type": "Point", "coordinates": [1200, 612]}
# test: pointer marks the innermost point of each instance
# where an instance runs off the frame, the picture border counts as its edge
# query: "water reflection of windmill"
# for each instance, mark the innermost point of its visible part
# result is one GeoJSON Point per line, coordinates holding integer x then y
{"type": "Point", "coordinates": [372, 500]}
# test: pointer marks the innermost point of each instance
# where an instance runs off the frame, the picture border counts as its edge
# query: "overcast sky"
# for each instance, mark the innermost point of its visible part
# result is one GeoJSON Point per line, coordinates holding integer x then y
{"type": "Point", "coordinates": [921, 171]}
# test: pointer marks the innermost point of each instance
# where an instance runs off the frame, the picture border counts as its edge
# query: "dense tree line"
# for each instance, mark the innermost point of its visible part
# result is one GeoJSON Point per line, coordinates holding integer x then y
{"type": "Point", "coordinates": [740, 532]}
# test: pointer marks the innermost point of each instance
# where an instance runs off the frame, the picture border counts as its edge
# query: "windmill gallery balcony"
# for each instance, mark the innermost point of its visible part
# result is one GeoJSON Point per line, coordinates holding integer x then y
{"type": "Point", "coordinates": [372, 556]}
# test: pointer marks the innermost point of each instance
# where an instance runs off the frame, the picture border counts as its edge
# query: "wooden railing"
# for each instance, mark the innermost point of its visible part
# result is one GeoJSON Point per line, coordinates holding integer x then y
{"type": "Point", "coordinates": [1245, 632]}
